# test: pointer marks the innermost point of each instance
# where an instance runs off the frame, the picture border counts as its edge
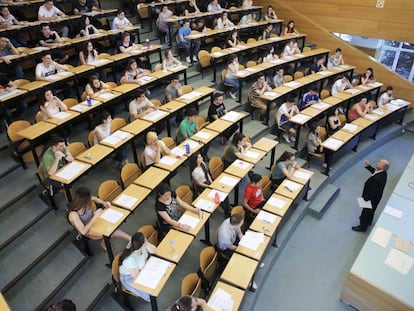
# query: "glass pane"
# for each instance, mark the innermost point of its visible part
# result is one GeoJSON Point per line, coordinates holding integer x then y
{"type": "Point", "coordinates": [405, 63]}
{"type": "Point", "coordinates": [409, 46]}
{"type": "Point", "coordinates": [387, 57]}
{"type": "Point", "coordinates": [394, 44]}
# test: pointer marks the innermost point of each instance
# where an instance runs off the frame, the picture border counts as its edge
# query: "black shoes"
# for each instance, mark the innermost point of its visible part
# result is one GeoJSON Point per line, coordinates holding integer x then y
{"type": "Point", "coordinates": [359, 229]}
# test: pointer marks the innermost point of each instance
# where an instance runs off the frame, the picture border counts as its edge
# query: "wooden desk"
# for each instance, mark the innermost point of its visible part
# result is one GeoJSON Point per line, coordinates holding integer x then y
{"type": "Point", "coordinates": [81, 108]}
{"type": "Point", "coordinates": [151, 178]}
{"type": "Point", "coordinates": [69, 115]}
{"type": "Point", "coordinates": [172, 106]}
{"type": "Point", "coordinates": [266, 223]}
{"type": "Point", "coordinates": [289, 189]}
{"type": "Point", "coordinates": [126, 88]}
{"type": "Point", "coordinates": [266, 145]}
{"type": "Point", "coordinates": [235, 293]}
{"type": "Point", "coordinates": [253, 155]}
{"type": "Point", "coordinates": [195, 146]}
{"type": "Point", "coordinates": [136, 127]}
{"type": "Point", "coordinates": [174, 245]}
{"type": "Point", "coordinates": [278, 204]}
{"type": "Point", "coordinates": [155, 116]}
{"type": "Point", "coordinates": [95, 154]}
{"type": "Point", "coordinates": [204, 136]}
{"type": "Point", "coordinates": [232, 273]}
{"type": "Point", "coordinates": [108, 96]}
{"type": "Point", "coordinates": [205, 201]}
{"type": "Point", "coordinates": [202, 219]}
{"type": "Point", "coordinates": [299, 119]}
{"type": "Point", "coordinates": [117, 139]}
{"type": "Point", "coordinates": [225, 183]}
{"type": "Point", "coordinates": [3, 304]}
{"type": "Point", "coordinates": [81, 69]}
{"type": "Point", "coordinates": [255, 254]}
{"type": "Point", "coordinates": [301, 176]}
{"type": "Point", "coordinates": [131, 197]}
{"type": "Point", "coordinates": [219, 125]}
{"type": "Point", "coordinates": [31, 86]}
{"type": "Point", "coordinates": [170, 162]}
{"type": "Point", "coordinates": [8, 95]}
{"type": "Point", "coordinates": [234, 117]}
{"type": "Point", "coordinates": [239, 168]}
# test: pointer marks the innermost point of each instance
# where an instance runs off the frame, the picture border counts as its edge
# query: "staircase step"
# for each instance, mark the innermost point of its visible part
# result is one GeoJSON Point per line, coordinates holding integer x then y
{"type": "Point", "coordinates": [323, 200]}
{"type": "Point", "coordinates": [29, 247]}
{"type": "Point", "coordinates": [8, 164]}
{"type": "Point", "coordinates": [20, 216]}
{"type": "Point", "coordinates": [46, 277]}
{"type": "Point", "coordinates": [12, 184]}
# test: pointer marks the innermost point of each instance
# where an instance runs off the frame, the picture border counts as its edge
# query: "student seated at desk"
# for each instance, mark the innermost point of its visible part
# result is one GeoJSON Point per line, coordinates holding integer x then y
{"type": "Point", "coordinates": [55, 157]}
{"type": "Point", "coordinates": [284, 167]}
{"type": "Point", "coordinates": [120, 21]}
{"type": "Point", "coordinates": [173, 90]}
{"type": "Point", "coordinates": [318, 66]}
{"type": "Point", "coordinates": [154, 149]}
{"type": "Point", "coordinates": [236, 150]}
{"type": "Point", "coordinates": [246, 19]}
{"type": "Point", "coordinates": [291, 48]}
{"type": "Point", "coordinates": [229, 234]}
{"type": "Point", "coordinates": [12, 69]}
{"type": "Point", "coordinates": [88, 54]}
{"type": "Point", "coordinates": [247, 4]}
{"type": "Point", "coordinates": [223, 22]}
{"type": "Point", "coordinates": [82, 215]}
{"type": "Point", "coordinates": [189, 303]}
{"type": "Point", "coordinates": [6, 86]}
{"type": "Point", "coordinates": [259, 87]}
{"type": "Point", "coordinates": [270, 55]}
{"type": "Point", "coordinates": [253, 199]}
{"type": "Point", "coordinates": [334, 122]}
{"type": "Point", "coordinates": [126, 45]}
{"type": "Point", "coordinates": [186, 44]}
{"type": "Point", "coordinates": [217, 110]}
{"type": "Point", "coordinates": [341, 85]}
{"type": "Point", "coordinates": [270, 14]}
{"type": "Point", "coordinates": [96, 87]}
{"type": "Point", "coordinates": [48, 12]}
{"type": "Point", "coordinates": [290, 29]}
{"type": "Point", "coordinates": [132, 73]}
{"type": "Point", "coordinates": [132, 261]}
{"type": "Point", "coordinates": [214, 6]}
{"type": "Point", "coordinates": [367, 77]}
{"type": "Point", "coordinates": [103, 130]}
{"type": "Point", "coordinates": [232, 40]}
{"type": "Point", "coordinates": [314, 141]}
{"type": "Point", "coordinates": [267, 32]}
{"type": "Point", "coordinates": [286, 111]}
{"type": "Point", "coordinates": [168, 207]}
{"type": "Point", "coordinates": [53, 105]}
{"type": "Point", "coordinates": [140, 106]}
{"type": "Point", "coordinates": [231, 75]}
{"type": "Point", "coordinates": [309, 98]}
{"type": "Point", "coordinates": [191, 8]}
{"type": "Point", "coordinates": [162, 21]}
{"type": "Point", "coordinates": [359, 109]}
{"type": "Point", "coordinates": [51, 39]}
{"type": "Point", "coordinates": [336, 59]}
{"type": "Point", "coordinates": [386, 97]}
{"type": "Point", "coordinates": [188, 127]}
{"type": "Point", "coordinates": [47, 68]}
{"type": "Point", "coordinates": [279, 78]}
{"type": "Point", "coordinates": [170, 61]}
{"type": "Point", "coordinates": [86, 28]}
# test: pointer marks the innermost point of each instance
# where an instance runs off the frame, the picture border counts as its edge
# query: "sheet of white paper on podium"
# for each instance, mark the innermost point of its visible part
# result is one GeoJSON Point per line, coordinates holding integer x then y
{"type": "Point", "coordinates": [111, 215]}
{"type": "Point", "coordinates": [399, 261]}
{"type": "Point", "coordinates": [364, 204]}
{"type": "Point", "coordinates": [381, 236]}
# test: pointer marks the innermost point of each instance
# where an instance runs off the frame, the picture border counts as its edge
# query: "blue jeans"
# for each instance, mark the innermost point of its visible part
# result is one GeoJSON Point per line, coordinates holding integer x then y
{"type": "Point", "coordinates": [126, 280]}
{"type": "Point", "coordinates": [186, 46]}
{"type": "Point", "coordinates": [234, 83]}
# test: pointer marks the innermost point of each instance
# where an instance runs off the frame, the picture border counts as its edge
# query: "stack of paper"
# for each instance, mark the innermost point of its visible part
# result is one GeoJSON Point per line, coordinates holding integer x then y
{"type": "Point", "coordinates": [399, 261]}
{"type": "Point", "coordinates": [381, 236]}
{"type": "Point", "coordinates": [252, 154]}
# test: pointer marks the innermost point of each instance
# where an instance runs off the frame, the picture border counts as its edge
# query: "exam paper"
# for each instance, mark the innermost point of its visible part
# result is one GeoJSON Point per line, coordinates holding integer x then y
{"type": "Point", "coordinates": [204, 205]}
{"type": "Point", "coordinates": [293, 84]}
{"type": "Point", "coordinates": [350, 127]}
{"type": "Point", "coordinates": [70, 170]}
{"type": "Point", "coordinates": [178, 151]}
{"type": "Point", "coordinates": [152, 273]}
{"type": "Point", "coordinates": [121, 134]}
{"type": "Point", "coordinates": [240, 164]}
{"type": "Point", "coordinates": [79, 108]}
{"type": "Point", "coordinates": [324, 73]}
{"type": "Point", "coordinates": [252, 154]}
{"type": "Point", "coordinates": [270, 93]}
{"type": "Point", "coordinates": [300, 118]}
{"type": "Point", "coordinates": [112, 140]}
{"type": "Point", "coordinates": [221, 301]}
{"type": "Point", "coordinates": [372, 117]}
{"type": "Point", "coordinates": [231, 116]}
{"type": "Point", "coordinates": [302, 175]}
{"type": "Point", "coordinates": [399, 261]}
{"type": "Point", "coordinates": [364, 204]}
{"type": "Point", "coordinates": [189, 220]}
{"type": "Point", "coordinates": [111, 215]}
{"type": "Point", "coordinates": [168, 160]}
{"type": "Point", "coordinates": [125, 200]}
{"type": "Point", "coordinates": [252, 240]}
{"type": "Point", "coordinates": [61, 115]}
{"type": "Point", "coordinates": [332, 143]}
{"type": "Point", "coordinates": [266, 217]}
{"type": "Point", "coordinates": [154, 115]}
{"type": "Point", "coordinates": [202, 135]}
{"type": "Point", "coordinates": [320, 105]}
{"type": "Point", "coordinates": [291, 185]}
{"type": "Point", "coordinates": [276, 202]}
{"type": "Point", "coordinates": [225, 180]}
{"type": "Point", "coordinates": [381, 236]}
{"type": "Point", "coordinates": [107, 95]}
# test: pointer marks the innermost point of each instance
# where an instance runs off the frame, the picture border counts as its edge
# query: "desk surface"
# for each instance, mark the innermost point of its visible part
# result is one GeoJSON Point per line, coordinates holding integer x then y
{"type": "Point", "coordinates": [265, 226]}
{"type": "Point", "coordinates": [253, 155]}
{"type": "Point", "coordinates": [301, 175]}
{"type": "Point", "coordinates": [174, 245]}
{"type": "Point", "coordinates": [204, 216]}
{"type": "Point", "coordinates": [236, 264]}
{"type": "Point", "coordinates": [255, 254]}
{"type": "Point", "coordinates": [136, 127]}
{"type": "Point", "coordinates": [219, 125]}
{"type": "Point", "coordinates": [131, 197]}
{"type": "Point", "coordinates": [278, 204]}
{"type": "Point", "coordinates": [205, 201]}
{"type": "Point", "coordinates": [105, 227]}
{"type": "Point", "coordinates": [265, 144]}
{"type": "Point", "coordinates": [239, 168]}
{"type": "Point", "coordinates": [204, 135]}
{"type": "Point", "coordinates": [289, 189]}
{"type": "Point", "coordinates": [235, 293]}
{"type": "Point", "coordinates": [95, 154]}
{"type": "Point", "coordinates": [152, 177]}
{"type": "Point", "coordinates": [70, 172]}
{"type": "Point", "coordinates": [36, 130]}
{"type": "Point", "coordinates": [225, 182]}
{"type": "Point", "coordinates": [170, 162]}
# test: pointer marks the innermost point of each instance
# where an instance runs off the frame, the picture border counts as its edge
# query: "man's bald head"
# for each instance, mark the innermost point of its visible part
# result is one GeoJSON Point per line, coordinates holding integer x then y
{"type": "Point", "coordinates": [382, 165]}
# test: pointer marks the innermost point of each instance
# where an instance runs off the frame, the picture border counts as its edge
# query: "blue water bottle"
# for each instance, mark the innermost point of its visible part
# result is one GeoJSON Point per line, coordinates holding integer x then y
{"type": "Point", "coordinates": [88, 101]}
{"type": "Point", "coordinates": [187, 148]}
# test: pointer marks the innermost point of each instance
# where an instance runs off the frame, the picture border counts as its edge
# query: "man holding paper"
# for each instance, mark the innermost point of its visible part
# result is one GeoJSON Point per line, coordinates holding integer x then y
{"type": "Point", "coordinates": [373, 189]}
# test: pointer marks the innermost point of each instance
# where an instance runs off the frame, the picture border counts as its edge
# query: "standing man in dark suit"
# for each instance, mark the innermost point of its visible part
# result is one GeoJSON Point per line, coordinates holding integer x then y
{"type": "Point", "coordinates": [373, 189]}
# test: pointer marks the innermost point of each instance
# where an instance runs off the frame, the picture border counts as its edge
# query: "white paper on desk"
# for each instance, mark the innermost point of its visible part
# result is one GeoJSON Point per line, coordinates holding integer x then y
{"type": "Point", "coordinates": [324, 73]}
{"type": "Point", "coordinates": [252, 154]}
{"type": "Point", "coordinates": [222, 195]}
{"type": "Point", "coordinates": [231, 116]}
{"type": "Point", "coordinates": [111, 215]}
{"type": "Point", "coordinates": [364, 204]}
{"type": "Point", "coordinates": [300, 118]}
{"type": "Point", "coordinates": [121, 134]}
{"type": "Point", "coordinates": [70, 170]}
{"type": "Point", "coordinates": [391, 107]}
{"type": "Point", "coordinates": [399, 102]}
{"type": "Point", "coordinates": [393, 212]}
{"type": "Point", "coordinates": [379, 111]}
{"type": "Point", "coordinates": [193, 144]}
{"type": "Point", "coordinates": [298, 55]}
{"type": "Point", "coordinates": [111, 140]}
{"type": "Point", "coordinates": [40, 48]}
{"type": "Point", "coordinates": [266, 217]}
{"type": "Point", "coordinates": [154, 115]}
{"type": "Point", "coordinates": [152, 273]}
{"type": "Point", "coordinates": [352, 91]}
{"type": "Point", "coordinates": [399, 261]}
{"type": "Point", "coordinates": [79, 108]}
{"type": "Point", "coordinates": [250, 69]}
{"type": "Point", "coordinates": [302, 175]}
{"type": "Point", "coordinates": [61, 115]}
{"type": "Point", "coordinates": [146, 78]}
{"type": "Point", "coordinates": [221, 301]}
{"type": "Point", "coordinates": [240, 164]}
{"type": "Point", "coordinates": [288, 57]}
{"type": "Point", "coordinates": [276, 61]}
{"type": "Point", "coordinates": [225, 180]}
{"type": "Point", "coordinates": [372, 117]}
{"type": "Point", "coordinates": [242, 73]}
{"type": "Point", "coordinates": [63, 73]}
{"type": "Point", "coordinates": [270, 93]}
{"type": "Point", "coordinates": [189, 220]}
{"type": "Point", "coordinates": [100, 62]}
{"type": "Point", "coordinates": [8, 93]}
{"type": "Point", "coordinates": [125, 200]}
{"type": "Point", "coordinates": [189, 96]}
{"type": "Point", "coordinates": [216, 54]}
{"type": "Point", "coordinates": [168, 160]}
{"type": "Point", "coordinates": [332, 143]}
{"type": "Point", "coordinates": [178, 151]}
{"type": "Point", "coordinates": [320, 105]}
{"type": "Point", "coordinates": [107, 95]}
{"type": "Point", "coordinates": [292, 185]}
{"type": "Point", "coordinates": [276, 202]}
{"type": "Point", "coordinates": [205, 205]}
{"type": "Point", "coordinates": [252, 240]}
{"type": "Point", "coordinates": [381, 236]}
{"type": "Point", "coordinates": [350, 127]}
{"type": "Point", "coordinates": [293, 84]}
{"type": "Point", "coordinates": [202, 135]}
{"type": "Point", "coordinates": [376, 84]}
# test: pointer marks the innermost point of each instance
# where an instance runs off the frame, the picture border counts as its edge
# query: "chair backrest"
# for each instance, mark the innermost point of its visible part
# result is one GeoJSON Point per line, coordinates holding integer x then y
{"type": "Point", "coordinates": [156, 102]}
{"type": "Point", "coordinates": [20, 82]}
{"type": "Point", "coordinates": [238, 209]}
{"type": "Point", "coordinates": [223, 74]}
{"type": "Point", "coordinates": [158, 67]}
{"type": "Point", "coordinates": [342, 118]}
{"type": "Point", "coordinates": [306, 49]}
{"type": "Point", "coordinates": [91, 138]}
{"type": "Point", "coordinates": [251, 63]}
{"type": "Point", "coordinates": [76, 148]}
{"type": "Point", "coordinates": [150, 232]}
{"type": "Point", "coordinates": [251, 40]}
{"type": "Point", "coordinates": [103, 55]}
{"type": "Point", "coordinates": [115, 268]}
{"type": "Point", "coordinates": [186, 89]}
{"type": "Point", "coordinates": [266, 186]}
{"type": "Point", "coordinates": [70, 102]}
{"type": "Point", "coordinates": [200, 122]}
{"type": "Point", "coordinates": [298, 75]}
{"type": "Point", "coordinates": [111, 85]}
{"type": "Point", "coordinates": [216, 166]}
{"type": "Point", "coordinates": [109, 190]}
{"type": "Point", "coordinates": [204, 58]}
{"type": "Point", "coordinates": [142, 161]}
{"type": "Point", "coordinates": [215, 49]}
{"type": "Point", "coordinates": [287, 78]}
{"type": "Point", "coordinates": [322, 133]}
{"type": "Point", "coordinates": [184, 193]}
{"type": "Point", "coordinates": [15, 127]}
{"type": "Point", "coordinates": [142, 10]}
{"type": "Point", "coordinates": [241, 67]}
{"type": "Point", "coordinates": [191, 285]}
{"type": "Point", "coordinates": [39, 116]}
{"type": "Point", "coordinates": [208, 262]}
{"type": "Point", "coordinates": [83, 96]}
{"type": "Point", "coordinates": [40, 172]}
{"type": "Point", "coordinates": [129, 173]}
{"type": "Point", "coordinates": [117, 123]}
{"type": "Point", "coordinates": [325, 94]}
{"type": "Point", "coordinates": [169, 142]}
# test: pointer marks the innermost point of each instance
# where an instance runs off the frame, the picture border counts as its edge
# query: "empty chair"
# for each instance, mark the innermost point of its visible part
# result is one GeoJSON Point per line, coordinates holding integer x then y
{"type": "Point", "coordinates": [266, 186]}
{"type": "Point", "coordinates": [191, 285]}
{"type": "Point", "coordinates": [251, 63]}
{"type": "Point", "coordinates": [109, 190]}
{"type": "Point", "coordinates": [215, 166]}
{"type": "Point", "coordinates": [208, 267]}
{"type": "Point", "coordinates": [325, 94]}
{"type": "Point", "coordinates": [298, 75]}
{"type": "Point", "coordinates": [156, 102]}
{"type": "Point", "coordinates": [238, 209]}
{"type": "Point", "coordinates": [184, 193]}
{"type": "Point", "coordinates": [20, 145]}
{"type": "Point", "coordinates": [150, 232]}
{"type": "Point", "coordinates": [117, 123]}
{"type": "Point", "coordinates": [306, 49]}
{"type": "Point", "coordinates": [129, 173]}
{"type": "Point", "coordinates": [186, 89]}
{"type": "Point", "coordinates": [204, 61]}
{"type": "Point", "coordinates": [91, 138]}
{"type": "Point", "coordinates": [158, 67]}
{"type": "Point", "coordinates": [287, 78]}
{"type": "Point", "coordinates": [70, 102]}
{"type": "Point", "coordinates": [76, 148]}
{"type": "Point", "coordinates": [169, 142]}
